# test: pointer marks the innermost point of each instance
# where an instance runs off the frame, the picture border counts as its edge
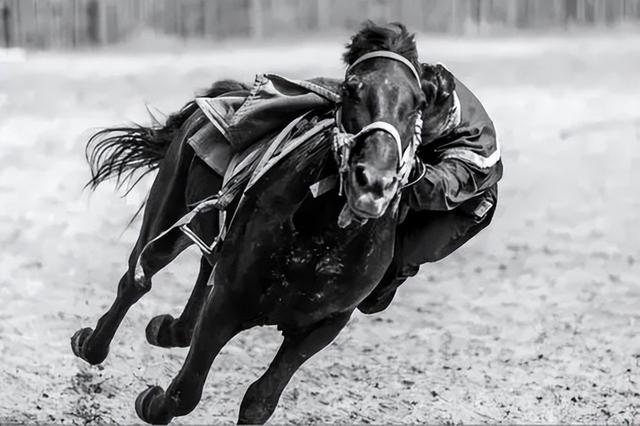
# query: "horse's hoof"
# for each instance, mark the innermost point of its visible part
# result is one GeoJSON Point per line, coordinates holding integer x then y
{"type": "Point", "coordinates": [256, 407]}
{"type": "Point", "coordinates": [376, 303]}
{"type": "Point", "coordinates": [143, 406]}
{"type": "Point", "coordinates": [256, 415]}
{"type": "Point", "coordinates": [78, 339]}
{"type": "Point", "coordinates": [158, 331]}
{"type": "Point", "coordinates": [77, 346]}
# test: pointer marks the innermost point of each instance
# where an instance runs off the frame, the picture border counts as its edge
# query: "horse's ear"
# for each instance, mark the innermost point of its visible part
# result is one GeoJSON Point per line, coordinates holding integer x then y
{"type": "Point", "coordinates": [437, 84]}
{"type": "Point", "coordinates": [427, 81]}
{"type": "Point", "coordinates": [430, 91]}
{"type": "Point", "coordinates": [446, 83]}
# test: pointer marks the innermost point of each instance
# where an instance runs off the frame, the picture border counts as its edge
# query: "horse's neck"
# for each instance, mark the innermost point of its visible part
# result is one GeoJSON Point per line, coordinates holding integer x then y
{"type": "Point", "coordinates": [316, 214]}
{"type": "Point", "coordinates": [321, 206]}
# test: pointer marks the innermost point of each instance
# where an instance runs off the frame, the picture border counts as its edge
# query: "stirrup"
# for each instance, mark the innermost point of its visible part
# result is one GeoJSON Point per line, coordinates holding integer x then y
{"type": "Point", "coordinates": [206, 249]}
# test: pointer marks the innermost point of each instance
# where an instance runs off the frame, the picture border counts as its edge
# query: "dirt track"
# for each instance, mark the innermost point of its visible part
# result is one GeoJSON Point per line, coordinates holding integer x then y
{"type": "Point", "coordinates": [534, 321]}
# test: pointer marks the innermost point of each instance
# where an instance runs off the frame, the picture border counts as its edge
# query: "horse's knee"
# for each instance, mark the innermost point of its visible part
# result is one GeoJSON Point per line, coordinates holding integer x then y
{"type": "Point", "coordinates": [141, 280]}
{"type": "Point", "coordinates": [134, 283]}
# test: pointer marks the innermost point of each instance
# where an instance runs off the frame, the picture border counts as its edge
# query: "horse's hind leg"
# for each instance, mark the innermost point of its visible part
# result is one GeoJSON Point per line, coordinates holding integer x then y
{"type": "Point", "coordinates": [165, 205]}
{"type": "Point", "coordinates": [168, 332]}
{"type": "Point", "coordinates": [219, 321]}
{"type": "Point", "coordinates": [262, 397]}
{"type": "Point", "coordinates": [164, 330]}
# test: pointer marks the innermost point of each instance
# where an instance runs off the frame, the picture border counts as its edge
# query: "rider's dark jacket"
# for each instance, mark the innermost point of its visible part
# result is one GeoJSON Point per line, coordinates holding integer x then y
{"type": "Point", "coordinates": [461, 163]}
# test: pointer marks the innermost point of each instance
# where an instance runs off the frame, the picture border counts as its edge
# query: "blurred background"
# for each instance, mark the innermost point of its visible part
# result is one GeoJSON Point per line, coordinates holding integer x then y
{"type": "Point", "coordinates": [535, 320]}
{"type": "Point", "coordinates": [73, 23]}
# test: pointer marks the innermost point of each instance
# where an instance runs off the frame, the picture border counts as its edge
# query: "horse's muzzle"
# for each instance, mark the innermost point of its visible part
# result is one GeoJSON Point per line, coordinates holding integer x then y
{"type": "Point", "coordinates": [368, 206]}
{"type": "Point", "coordinates": [361, 208]}
{"type": "Point", "coordinates": [369, 190]}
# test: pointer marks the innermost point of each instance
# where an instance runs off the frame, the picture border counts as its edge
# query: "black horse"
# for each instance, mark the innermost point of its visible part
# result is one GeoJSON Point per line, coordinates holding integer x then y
{"type": "Point", "coordinates": [288, 259]}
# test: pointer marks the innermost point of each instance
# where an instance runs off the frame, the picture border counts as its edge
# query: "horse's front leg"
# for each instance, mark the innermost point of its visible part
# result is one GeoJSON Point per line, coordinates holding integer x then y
{"type": "Point", "coordinates": [262, 397]}
{"type": "Point", "coordinates": [219, 321]}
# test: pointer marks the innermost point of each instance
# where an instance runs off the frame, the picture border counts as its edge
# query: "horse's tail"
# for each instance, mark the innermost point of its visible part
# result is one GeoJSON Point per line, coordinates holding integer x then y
{"type": "Point", "coordinates": [119, 152]}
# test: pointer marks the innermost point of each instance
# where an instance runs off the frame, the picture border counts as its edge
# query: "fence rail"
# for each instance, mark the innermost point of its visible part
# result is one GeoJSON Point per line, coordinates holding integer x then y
{"type": "Point", "coordinates": [71, 23]}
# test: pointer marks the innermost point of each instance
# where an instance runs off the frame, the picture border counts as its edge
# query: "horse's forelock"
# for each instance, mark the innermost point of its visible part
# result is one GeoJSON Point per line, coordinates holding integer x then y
{"type": "Point", "coordinates": [393, 37]}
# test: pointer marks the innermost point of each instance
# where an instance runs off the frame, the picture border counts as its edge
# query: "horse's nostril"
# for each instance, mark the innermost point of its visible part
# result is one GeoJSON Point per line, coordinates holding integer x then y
{"type": "Point", "coordinates": [361, 176]}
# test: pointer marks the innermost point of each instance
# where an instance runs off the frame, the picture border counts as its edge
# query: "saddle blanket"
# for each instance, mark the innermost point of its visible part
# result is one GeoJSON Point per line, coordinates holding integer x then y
{"type": "Point", "coordinates": [244, 136]}
{"type": "Point", "coordinates": [247, 167]}
{"type": "Point", "coordinates": [238, 121]}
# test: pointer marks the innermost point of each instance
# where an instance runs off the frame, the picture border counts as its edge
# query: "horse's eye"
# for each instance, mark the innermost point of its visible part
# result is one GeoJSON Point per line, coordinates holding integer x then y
{"type": "Point", "coordinates": [351, 89]}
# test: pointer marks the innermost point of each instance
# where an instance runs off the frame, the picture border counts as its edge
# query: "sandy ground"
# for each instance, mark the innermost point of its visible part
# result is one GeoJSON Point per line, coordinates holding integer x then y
{"type": "Point", "coordinates": [535, 321]}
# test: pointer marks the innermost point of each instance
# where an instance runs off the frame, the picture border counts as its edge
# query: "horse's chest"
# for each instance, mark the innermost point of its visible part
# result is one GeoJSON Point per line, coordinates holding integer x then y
{"type": "Point", "coordinates": [315, 276]}
{"type": "Point", "coordinates": [295, 270]}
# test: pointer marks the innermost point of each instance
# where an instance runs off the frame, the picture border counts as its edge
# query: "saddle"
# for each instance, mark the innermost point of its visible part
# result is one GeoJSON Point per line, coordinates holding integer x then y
{"type": "Point", "coordinates": [248, 167]}
{"type": "Point", "coordinates": [245, 137]}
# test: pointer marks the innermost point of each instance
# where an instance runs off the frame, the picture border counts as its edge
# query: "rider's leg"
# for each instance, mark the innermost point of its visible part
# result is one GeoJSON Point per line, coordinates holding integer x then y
{"type": "Point", "coordinates": [426, 237]}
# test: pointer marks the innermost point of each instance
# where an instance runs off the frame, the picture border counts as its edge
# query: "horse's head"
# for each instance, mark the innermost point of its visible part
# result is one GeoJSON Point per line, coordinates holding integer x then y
{"type": "Point", "coordinates": [379, 119]}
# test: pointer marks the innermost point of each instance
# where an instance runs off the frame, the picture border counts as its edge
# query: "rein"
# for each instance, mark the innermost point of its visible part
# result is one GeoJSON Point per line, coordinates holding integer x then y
{"type": "Point", "coordinates": [344, 141]}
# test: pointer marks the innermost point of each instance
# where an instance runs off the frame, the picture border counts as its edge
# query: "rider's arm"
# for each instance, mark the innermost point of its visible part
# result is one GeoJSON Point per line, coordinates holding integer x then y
{"type": "Point", "coordinates": [461, 164]}
{"type": "Point", "coordinates": [449, 183]}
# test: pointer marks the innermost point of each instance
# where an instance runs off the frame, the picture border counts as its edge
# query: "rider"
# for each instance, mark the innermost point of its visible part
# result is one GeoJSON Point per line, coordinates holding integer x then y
{"type": "Point", "coordinates": [458, 162]}
{"type": "Point", "coordinates": [457, 194]}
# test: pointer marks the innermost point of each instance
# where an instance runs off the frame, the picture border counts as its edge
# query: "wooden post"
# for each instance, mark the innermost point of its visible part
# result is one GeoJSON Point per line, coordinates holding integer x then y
{"type": "Point", "coordinates": [512, 13]}
{"type": "Point", "coordinates": [168, 17]}
{"type": "Point", "coordinates": [618, 12]}
{"type": "Point", "coordinates": [625, 9]}
{"type": "Point", "coordinates": [485, 14]}
{"type": "Point", "coordinates": [421, 14]}
{"type": "Point", "coordinates": [210, 12]}
{"type": "Point", "coordinates": [44, 24]}
{"type": "Point", "coordinates": [93, 21]}
{"type": "Point", "coordinates": [61, 29]}
{"type": "Point", "coordinates": [13, 23]}
{"type": "Point", "coordinates": [581, 12]}
{"type": "Point", "coordinates": [18, 30]}
{"type": "Point", "coordinates": [452, 17]}
{"type": "Point", "coordinates": [600, 12]}
{"type": "Point", "coordinates": [322, 14]}
{"type": "Point", "coordinates": [256, 19]}
{"type": "Point", "coordinates": [56, 27]}
{"type": "Point", "coordinates": [5, 17]}
{"type": "Point", "coordinates": [465, 16]}
{"type": "Point", "coordinates": [67, 21]}
{"type": "Point", "coordinates": [104, 22]}
{"type": "Point", "coordinates": [560, 13]}
{"type": "Point", "coordinates": [389, 13]}
{"type": "Point", "coordinates": [75, 35]}
{"type": "Point", "coordinates": [630, 9]}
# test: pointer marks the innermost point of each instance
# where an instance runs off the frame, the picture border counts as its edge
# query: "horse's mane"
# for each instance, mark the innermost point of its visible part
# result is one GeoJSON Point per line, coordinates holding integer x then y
{"type": "Point", "coordinates": [437, 82]}
{"type": "Point", "coordinates": [393, 37]}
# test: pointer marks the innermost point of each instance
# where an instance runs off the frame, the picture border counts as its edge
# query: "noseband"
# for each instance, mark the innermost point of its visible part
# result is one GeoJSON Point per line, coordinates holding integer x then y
{"type": "Point", "coordinates": [344, 141]}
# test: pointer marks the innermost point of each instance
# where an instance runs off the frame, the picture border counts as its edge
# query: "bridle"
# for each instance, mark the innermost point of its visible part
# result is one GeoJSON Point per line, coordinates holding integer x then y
{"type": "Point", "coordinates": [344, 141]}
